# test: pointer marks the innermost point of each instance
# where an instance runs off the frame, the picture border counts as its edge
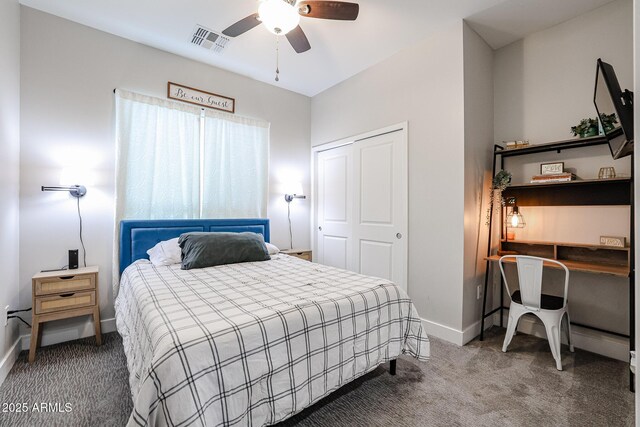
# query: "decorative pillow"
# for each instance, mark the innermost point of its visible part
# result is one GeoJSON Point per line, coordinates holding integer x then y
{"type": "Point", "coordinates": [201, 250]}
{"type": "Point", "coordinates": [167, 252]}
{"type": "Point", "coordinates": [273, 249]}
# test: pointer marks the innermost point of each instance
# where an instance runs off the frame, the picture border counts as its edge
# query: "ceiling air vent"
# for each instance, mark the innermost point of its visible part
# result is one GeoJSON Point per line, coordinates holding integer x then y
{"type": "Point", "coordinates": [209, 39]}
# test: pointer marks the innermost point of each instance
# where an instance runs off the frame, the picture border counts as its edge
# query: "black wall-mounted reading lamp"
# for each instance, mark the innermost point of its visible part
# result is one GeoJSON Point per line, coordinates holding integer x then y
{"type": "Point", "coordinates": [74, 190]}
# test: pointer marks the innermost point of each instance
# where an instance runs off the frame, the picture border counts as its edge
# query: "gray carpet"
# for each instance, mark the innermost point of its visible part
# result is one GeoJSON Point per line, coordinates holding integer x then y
{"type": "Point", "coordinates": [475, 385]}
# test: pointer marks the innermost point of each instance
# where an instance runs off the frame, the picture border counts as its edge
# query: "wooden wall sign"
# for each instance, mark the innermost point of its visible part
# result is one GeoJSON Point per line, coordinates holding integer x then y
{"type": "Point", "coordinates": [200, 97]}
{"type": "Point", "coordinates": [614, 241]}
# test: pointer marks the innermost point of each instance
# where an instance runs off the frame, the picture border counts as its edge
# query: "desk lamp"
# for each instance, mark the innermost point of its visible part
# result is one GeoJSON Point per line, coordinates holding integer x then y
{"type": "Point", "coordinates": [514, 217]}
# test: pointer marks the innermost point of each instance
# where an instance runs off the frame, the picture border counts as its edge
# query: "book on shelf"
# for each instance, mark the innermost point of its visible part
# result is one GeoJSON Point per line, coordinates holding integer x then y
{"type": "Point", "coordinates": [554, 177]}
{"type": "Point", "coordinates": [515, 144]}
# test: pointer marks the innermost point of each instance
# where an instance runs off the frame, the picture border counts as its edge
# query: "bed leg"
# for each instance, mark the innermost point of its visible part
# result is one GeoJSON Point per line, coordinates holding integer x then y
{"type": "Point", "coordinates": [392, 367]}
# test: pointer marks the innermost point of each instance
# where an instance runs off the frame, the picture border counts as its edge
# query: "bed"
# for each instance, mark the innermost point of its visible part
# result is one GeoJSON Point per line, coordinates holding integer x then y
{"type": "Point", "coordinates": [248, 344]}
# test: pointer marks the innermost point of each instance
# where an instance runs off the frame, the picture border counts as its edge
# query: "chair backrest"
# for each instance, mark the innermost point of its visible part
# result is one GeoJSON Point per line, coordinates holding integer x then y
{"type": "Point", "coordinates": [530, 278]}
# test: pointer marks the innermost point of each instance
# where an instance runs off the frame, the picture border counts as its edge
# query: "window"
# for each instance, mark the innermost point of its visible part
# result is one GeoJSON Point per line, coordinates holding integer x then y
{"type": "Point", "coordinates": [179, 161]}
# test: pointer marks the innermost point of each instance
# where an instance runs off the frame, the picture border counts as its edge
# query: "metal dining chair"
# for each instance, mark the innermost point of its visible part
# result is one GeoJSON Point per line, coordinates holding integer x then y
{"type": "Point", "coordinates": [550, 309]}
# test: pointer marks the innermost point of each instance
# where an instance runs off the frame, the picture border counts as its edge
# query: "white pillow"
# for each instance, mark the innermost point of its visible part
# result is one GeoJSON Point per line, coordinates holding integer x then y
{"type": "Point", "coordinates": [167, 252]}
{"type": "Point", "coordinates": [273, 249]}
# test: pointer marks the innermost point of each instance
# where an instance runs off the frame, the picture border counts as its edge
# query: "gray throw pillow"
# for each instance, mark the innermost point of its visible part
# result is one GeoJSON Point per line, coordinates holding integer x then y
{"type": "Point", "coordinates": [201, 250]}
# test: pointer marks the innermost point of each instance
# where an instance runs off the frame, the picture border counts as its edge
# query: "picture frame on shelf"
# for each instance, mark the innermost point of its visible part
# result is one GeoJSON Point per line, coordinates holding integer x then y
{"type": "Point", "coordinates": [551, 168]}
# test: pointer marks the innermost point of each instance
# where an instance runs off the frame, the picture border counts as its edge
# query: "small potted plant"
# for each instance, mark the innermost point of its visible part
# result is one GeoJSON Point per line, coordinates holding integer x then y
{"type": "Point", "coordinates": [608, 121]}
{"type": "Point", "coordinates": [586, 128]}
{"type": "Point", "coordinates": [499, 183]}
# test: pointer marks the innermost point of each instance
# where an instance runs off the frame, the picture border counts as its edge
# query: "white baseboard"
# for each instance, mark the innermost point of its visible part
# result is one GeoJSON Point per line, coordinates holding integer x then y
{"type": "Point", "coordinates": [585, 339]}
{"type": "Point", "coordinates": [472, 331]}
{"type": "Point", "coordinates": [9, 359]}
{"type": "Point", "coordinates": [108, 325]}
{"type": "Point", "coordinates": [452, 335]}
{"type": "Point", "coordinates": [70, 333]}
{"type": "Point", "coordinates": [443, 332]}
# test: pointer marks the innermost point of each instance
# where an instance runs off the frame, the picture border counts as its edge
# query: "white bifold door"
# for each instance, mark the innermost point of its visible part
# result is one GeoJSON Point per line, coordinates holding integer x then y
{"type": "Point", "coordinates": [361, 206]}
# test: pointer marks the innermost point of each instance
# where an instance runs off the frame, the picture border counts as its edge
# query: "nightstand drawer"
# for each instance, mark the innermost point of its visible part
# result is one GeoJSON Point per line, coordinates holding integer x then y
{"type": "Point", "coordinates": [302, 254]}
{"type": "Point", "coordinates": [65, 301]}
{"type": "Point", "coordinates": [62, 284]}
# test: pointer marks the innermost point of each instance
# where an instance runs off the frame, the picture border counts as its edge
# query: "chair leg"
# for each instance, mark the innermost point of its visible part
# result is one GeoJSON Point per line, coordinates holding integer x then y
{"type": "Point", "coordinates": [553, 336]}
{"type": "Point", "coordinates": [569, 340]}
{"type": "Point", "coordinates": [512, 324]}
{"type": "Point", "coordinates": [515, 330]}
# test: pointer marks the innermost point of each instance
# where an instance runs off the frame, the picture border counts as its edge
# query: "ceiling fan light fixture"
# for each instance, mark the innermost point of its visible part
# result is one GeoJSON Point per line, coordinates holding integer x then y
{"type": "Point", "coordinates": [279, 16]}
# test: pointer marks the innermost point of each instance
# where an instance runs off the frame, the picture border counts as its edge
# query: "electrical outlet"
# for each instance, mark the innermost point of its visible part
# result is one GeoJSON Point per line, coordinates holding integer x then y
{"type": "Point", "coordinates": [6, 315]}
{"type": "Point", "coordinates": [478, 291]}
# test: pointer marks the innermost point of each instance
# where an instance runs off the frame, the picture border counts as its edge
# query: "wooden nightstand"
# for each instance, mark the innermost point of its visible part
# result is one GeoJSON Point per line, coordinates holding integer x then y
{"type": "Point", "coordinates": [62, 294]}
{"type": "Point", "coordinates": [299, 253]}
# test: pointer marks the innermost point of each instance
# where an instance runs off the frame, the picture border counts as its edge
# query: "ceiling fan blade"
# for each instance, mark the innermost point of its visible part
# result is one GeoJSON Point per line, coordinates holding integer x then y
{"type": "Point", "coordinates": [298, 40]}
{"type": "Point", "coordinates": [329, 10]}
{"type": "Point", "coordinates": [242, 26]}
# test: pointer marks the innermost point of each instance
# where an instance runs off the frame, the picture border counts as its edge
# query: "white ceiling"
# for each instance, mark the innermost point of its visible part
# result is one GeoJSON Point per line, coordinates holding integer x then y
{"type": "Point", "coordinates": [339, 49]}
{"type": "Point", "coordinates": [511, 20]}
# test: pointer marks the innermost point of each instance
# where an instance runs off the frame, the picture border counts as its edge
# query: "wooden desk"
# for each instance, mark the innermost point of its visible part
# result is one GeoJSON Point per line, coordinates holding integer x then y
{"type": "Point", "coordinates": [576, 257]}
{"type": "Point", "coordinates": [583, 266]}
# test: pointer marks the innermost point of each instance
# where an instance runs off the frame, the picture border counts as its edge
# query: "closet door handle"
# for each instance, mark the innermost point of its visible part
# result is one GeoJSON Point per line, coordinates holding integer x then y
{"type": "Point", "coordinates": [320, 228]}
{"type": "Point", "coordinates": [399, 235]}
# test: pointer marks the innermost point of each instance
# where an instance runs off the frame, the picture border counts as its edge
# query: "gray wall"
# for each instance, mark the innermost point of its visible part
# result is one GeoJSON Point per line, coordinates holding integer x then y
{"type": "Point", "coordinates": [9, 170]}
{"type": "Point", "coordinates": [478, 143]}
{"type": "Point", "coordinates": [423, 85]}
{"type": "Point", "coordinates": [68, 119]}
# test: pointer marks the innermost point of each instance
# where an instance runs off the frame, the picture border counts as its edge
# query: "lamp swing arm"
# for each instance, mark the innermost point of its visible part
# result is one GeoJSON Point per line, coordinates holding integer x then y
{"type": "Point", "coordinates": [289, 197]}
{"type": "Point", "coordinates": [74, 190]}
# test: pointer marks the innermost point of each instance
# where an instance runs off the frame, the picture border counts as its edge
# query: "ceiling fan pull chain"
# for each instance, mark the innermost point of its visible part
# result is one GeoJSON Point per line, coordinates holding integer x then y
{"type": "Point", "coordinates": [277, 58]}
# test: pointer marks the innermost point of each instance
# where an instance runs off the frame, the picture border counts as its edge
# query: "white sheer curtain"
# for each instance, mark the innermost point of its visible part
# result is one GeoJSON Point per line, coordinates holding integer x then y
{"type": "Point", "coordinates": [235, 165]}
{"type": "Point", "coordinates": [158, 158]}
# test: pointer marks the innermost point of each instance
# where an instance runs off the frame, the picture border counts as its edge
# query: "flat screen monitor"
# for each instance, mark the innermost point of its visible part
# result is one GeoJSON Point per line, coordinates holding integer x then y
{"type": "Point", "coordinates": [615, 110]}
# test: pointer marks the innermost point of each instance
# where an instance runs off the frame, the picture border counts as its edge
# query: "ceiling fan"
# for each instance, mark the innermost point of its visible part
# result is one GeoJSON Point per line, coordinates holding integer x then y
{"type": "Point", "coordinates": [282, 17]}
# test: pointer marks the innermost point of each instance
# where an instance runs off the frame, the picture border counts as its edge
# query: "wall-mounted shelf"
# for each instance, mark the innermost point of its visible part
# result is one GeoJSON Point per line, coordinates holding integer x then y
{"type": "Point", "coordinates": [553, 146]}
{"type": "Point", "coordinates": [588, 192]}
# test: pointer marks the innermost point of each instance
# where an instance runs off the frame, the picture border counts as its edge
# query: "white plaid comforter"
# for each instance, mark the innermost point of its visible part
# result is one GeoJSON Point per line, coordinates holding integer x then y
{"type": "Point", "coordinates": [252, 344]}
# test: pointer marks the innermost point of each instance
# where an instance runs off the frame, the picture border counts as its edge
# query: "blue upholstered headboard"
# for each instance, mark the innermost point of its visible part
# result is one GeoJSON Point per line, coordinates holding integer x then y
{"type": "Point", "coordinates": [138, 236]}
